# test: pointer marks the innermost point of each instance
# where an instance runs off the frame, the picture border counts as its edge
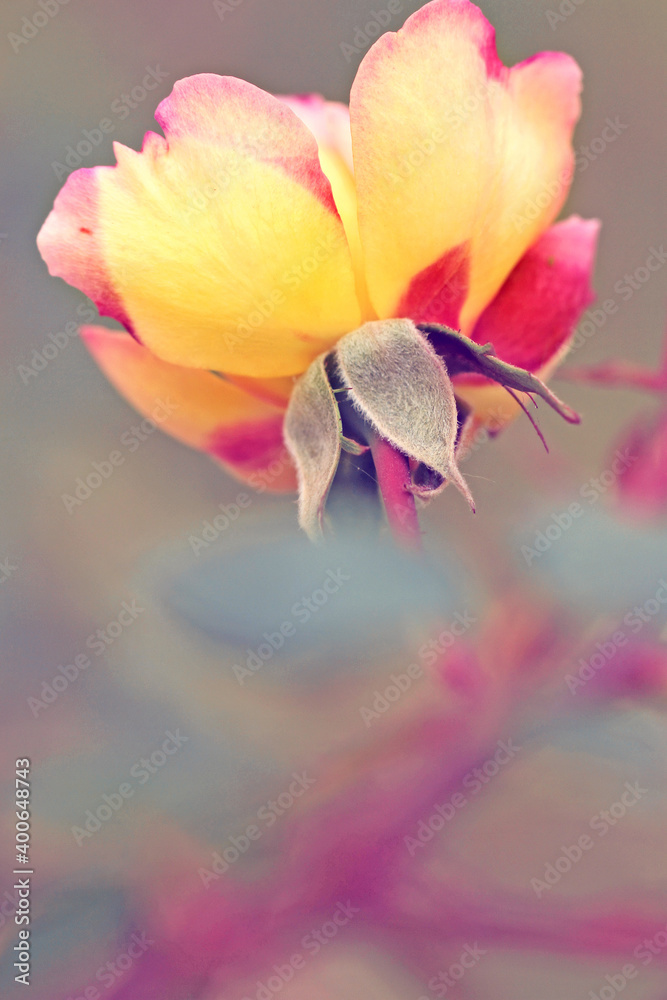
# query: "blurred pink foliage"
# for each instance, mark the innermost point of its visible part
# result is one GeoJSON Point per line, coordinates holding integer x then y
{"type": "Point", "coordinates": [439, 840]}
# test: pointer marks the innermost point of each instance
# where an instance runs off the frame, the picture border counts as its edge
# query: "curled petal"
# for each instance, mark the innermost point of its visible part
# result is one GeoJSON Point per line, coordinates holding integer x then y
{"type": "Point", "coordinates": [199, 409]}
{"type": "Point", "coordinates": [464, 356]}
{"type": "Point", "coordinates": [221, 245]}
{"type": "Point", "coordinates": [460, 162]}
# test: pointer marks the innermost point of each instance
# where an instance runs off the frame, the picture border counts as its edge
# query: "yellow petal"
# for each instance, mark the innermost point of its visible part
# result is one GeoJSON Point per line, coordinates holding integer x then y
{"type": "Point", "coordinates": [460, 163]}
{"type": "Point", "coordinates": [221, 247]}
{"type": "Point", "coordinates": [329, 122]}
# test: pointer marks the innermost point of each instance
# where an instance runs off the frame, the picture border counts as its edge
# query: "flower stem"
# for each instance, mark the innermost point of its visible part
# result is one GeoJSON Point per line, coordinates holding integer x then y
{"type": "Point", "coordinates": [619, 375]}
{"type": "Point", "coordinates": [393, 475]}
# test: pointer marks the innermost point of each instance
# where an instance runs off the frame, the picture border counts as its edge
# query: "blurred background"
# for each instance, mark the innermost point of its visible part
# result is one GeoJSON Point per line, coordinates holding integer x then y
{"type": "Point", "coordinates": [68, 572]}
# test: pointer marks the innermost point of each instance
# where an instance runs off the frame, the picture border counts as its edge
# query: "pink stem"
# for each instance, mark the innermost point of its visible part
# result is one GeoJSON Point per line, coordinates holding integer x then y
{"type": "Point", "coordinates": [619, 374]}
{"type": "Point", "coordinates": [393, 473]}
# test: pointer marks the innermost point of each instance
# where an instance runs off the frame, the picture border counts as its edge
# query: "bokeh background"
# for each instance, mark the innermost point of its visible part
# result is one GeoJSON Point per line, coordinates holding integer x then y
{"type": "Point", "coordinates": [70, 571]}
